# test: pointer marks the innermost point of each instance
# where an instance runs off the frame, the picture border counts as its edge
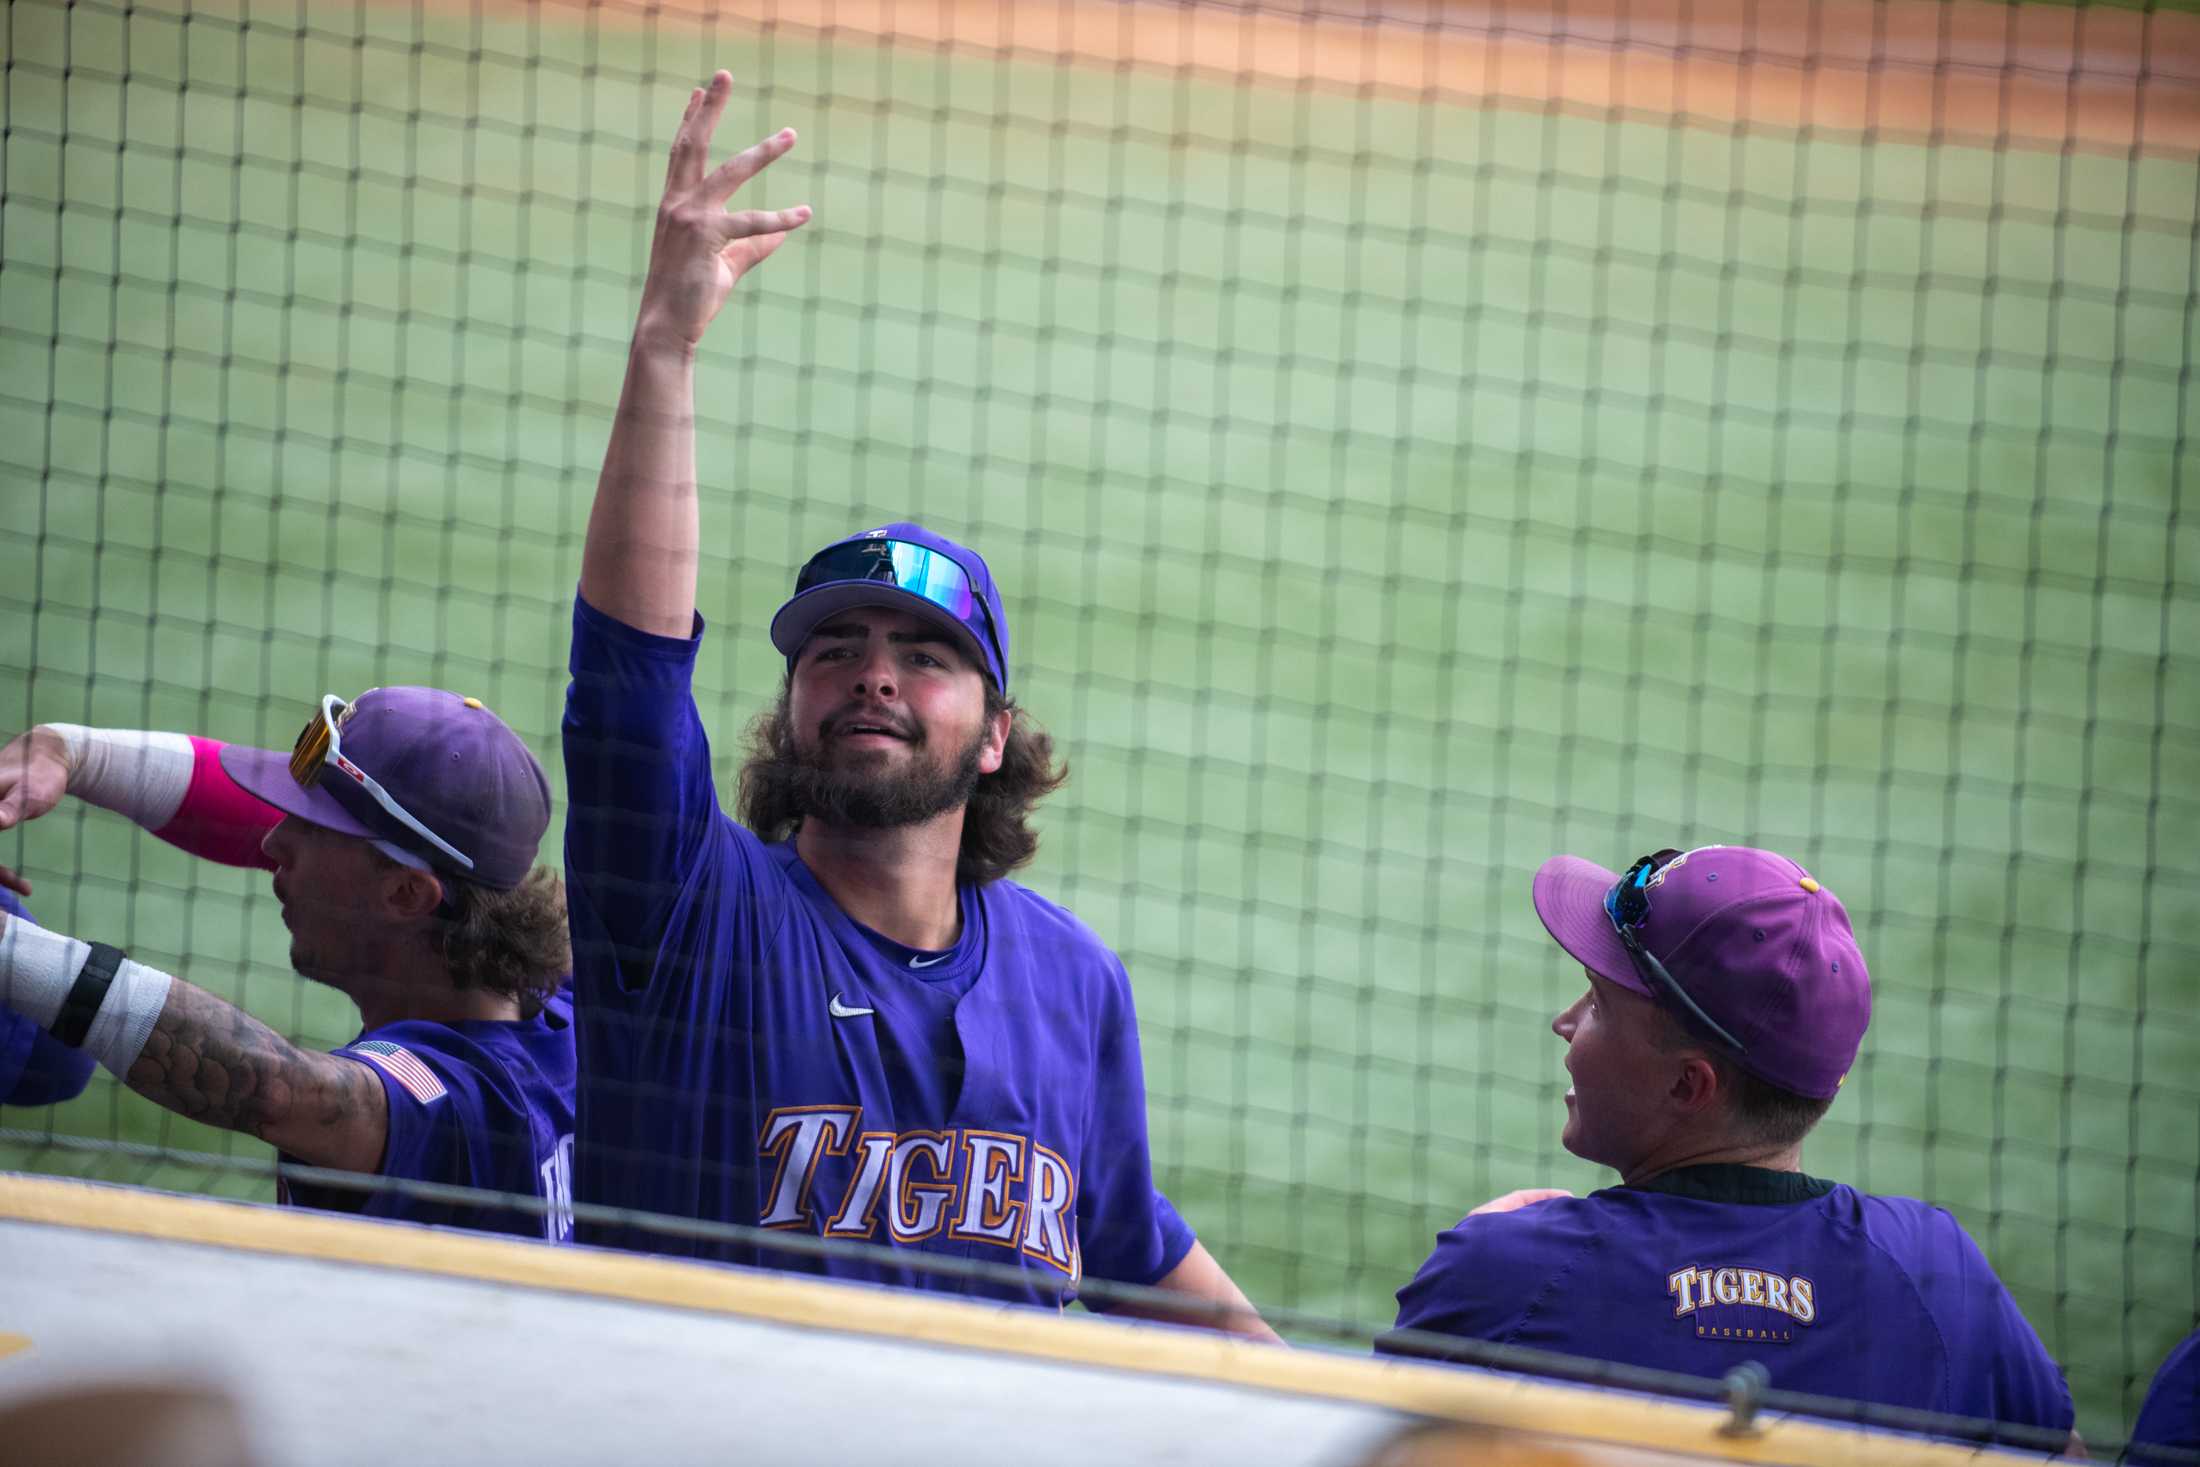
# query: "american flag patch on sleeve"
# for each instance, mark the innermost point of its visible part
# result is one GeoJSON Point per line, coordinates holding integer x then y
{"type": "Point", "coordinates": [401, 1065]}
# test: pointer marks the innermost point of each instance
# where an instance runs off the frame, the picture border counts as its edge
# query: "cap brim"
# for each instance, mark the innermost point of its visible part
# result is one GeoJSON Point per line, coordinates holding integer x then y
{"type": "Point", "coordinates": [805, 613]}
{"type": "Point", "coordinates": [265, 775]}
{"type": "Point", "coordinates": [1569, 897]}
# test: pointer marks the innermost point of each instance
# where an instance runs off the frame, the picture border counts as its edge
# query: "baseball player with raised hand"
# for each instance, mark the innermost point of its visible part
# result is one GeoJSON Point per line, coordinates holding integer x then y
{"type": "Point", "coordinates": [841, 1019]}
{"type": "Point", "coordinates": [1726, 1002]}
{"type": "Point", "coordinates": [402, 832]}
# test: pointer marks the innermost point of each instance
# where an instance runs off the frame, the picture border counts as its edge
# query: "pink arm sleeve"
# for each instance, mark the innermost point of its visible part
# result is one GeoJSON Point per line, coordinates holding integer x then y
{"type": "Point", "coordinates": [217, 820]}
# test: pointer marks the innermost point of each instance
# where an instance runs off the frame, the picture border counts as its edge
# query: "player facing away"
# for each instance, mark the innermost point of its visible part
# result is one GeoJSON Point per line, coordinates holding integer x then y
{"type": "Point", "coordinates": [402, 832]}
{"type": "Point", "coordinates": [1726, 1001]}
{"type": "Point", "coordinates": [841, 1019]}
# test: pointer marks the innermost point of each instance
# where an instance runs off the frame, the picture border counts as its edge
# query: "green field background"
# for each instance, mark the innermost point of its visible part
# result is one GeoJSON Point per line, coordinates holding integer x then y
{"type": "Point", "coordinates": [1388, 496]}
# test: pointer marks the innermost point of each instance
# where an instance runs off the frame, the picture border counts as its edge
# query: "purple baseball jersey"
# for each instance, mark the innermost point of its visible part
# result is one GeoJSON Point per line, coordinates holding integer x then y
{"type": "Point", "coordinates": [483, 1103]}
{"type": "Point", "coordinates": [1834, 1292]}
{"type": "Point", "coordinates": [35, 1067]}
{"type": "Point", "coordinates": [750, 1055]}
{"type": "Point", "coordinates": [2171, 1415]}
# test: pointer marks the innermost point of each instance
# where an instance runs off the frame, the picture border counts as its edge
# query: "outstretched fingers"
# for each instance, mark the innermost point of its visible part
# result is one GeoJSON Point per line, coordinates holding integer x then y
{"type": "Point", "coordinates": [701, 248]}
{"type": "Point", "coordinates": [678, 165]}
{"type": "Point", "coordinates": [746, 164]}
{"type": "Point", "coordinates": [745, 254]}
{"type": "Point", "coordinates": [748, 223]}
{"type": "Point", "coordinates": [691, 144]}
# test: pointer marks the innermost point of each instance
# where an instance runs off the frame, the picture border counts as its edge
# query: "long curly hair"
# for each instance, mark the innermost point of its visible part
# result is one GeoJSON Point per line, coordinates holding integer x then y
{"type": "Point", "coordinates": [510, 942]}
{"type": "Point", "coordinates": [996, 836]}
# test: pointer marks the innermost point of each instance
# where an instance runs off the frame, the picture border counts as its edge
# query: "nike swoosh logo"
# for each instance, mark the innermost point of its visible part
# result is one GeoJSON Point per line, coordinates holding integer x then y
{"type": "Point", "coordinates": [840, 1010]}
{"type": "Point", "coordinates": [928, 962]}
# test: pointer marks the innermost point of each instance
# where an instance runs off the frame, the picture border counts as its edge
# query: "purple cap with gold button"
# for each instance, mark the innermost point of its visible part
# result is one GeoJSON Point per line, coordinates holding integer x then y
{"type": "Point", "coordinates": [1754, 939]}
{"type": "Point", "coordinates": [445, 760]}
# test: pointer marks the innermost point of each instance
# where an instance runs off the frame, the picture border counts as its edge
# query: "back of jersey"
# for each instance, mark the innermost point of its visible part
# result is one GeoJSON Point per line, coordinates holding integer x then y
{"type": "Point", "coordinates": [1834, 1292]}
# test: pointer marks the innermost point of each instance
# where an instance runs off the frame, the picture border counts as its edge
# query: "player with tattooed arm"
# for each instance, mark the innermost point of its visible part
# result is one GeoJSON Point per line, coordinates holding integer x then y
{"type": "Point", "coordinates": [840, 1018]}
{"type": "Point", "coordinates": [402, 832]}
{"type": "Point", "coordinates": [1726, 1001]}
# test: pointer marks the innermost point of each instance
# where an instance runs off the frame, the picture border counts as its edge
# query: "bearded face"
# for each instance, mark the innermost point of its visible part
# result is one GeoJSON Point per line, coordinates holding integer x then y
{"type": "Point", "coordinates": [883, 724]}
{"type": "Point", "coordinates": [848, 772]}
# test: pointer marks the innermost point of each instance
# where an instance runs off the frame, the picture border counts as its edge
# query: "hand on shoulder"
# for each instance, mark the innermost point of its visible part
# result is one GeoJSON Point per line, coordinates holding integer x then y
{"type": "Point", "coordinates": [1524, 1197]}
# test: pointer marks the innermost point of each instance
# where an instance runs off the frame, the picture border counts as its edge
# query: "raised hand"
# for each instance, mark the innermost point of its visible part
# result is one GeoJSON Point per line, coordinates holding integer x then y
{"type": "Point", "coordinates": [638, 564]}
{"type": "Point", "coordinates": [700, 248]}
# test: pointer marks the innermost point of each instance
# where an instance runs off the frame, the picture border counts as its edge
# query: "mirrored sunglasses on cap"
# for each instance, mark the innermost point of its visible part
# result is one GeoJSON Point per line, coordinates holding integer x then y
{"type": "Point", "coordinates": [1627, 904]}
{"type": "Point", "coordinates": [928, 574]}
{"type": "Point", "coordinates": [320, 746]}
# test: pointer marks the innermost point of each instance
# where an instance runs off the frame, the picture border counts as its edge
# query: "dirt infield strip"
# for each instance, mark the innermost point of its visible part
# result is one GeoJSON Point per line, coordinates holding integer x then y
{"type": "Point", "coordinates": [2037, 76]}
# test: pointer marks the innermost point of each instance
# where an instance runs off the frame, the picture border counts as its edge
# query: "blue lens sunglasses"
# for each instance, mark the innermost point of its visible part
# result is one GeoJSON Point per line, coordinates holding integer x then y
{"type": "Point", "coordinates": [931, 574]}
{"type": "Point", "coordinates": [1628, 906]}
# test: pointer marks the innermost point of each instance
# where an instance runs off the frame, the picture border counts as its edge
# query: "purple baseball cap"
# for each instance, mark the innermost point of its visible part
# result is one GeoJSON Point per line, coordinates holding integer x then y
{"type": "Point", "coordinates": [1752, 937]}
{"type": "Point", "coordinates": [448, 761]}
{"type": "Point", "coordinates": [907, 567]}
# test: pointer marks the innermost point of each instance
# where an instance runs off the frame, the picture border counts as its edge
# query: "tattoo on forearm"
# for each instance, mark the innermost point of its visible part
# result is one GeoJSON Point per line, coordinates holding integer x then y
{"type": "Point", "coordinates": [211, 1061]}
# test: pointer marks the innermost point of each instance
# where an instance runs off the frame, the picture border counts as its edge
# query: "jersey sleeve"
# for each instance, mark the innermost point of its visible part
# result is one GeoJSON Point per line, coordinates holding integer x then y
{"type": "Point", "coordinates": [1490, 1274]}
{"type": "Point", "coordinates": [35, 1067]}
{"type": "Point", "coordinates": [424, 1119]}
{"type": "Point", "coordinates": [1451, 1293]}
{"type": "Point", "coordinates": [1127, 1230]}
{"type": "Point", "coordinates": [2020, 1385]}
{"type": "Point", "coordinates": [447, 1121]}
{"type": "Point", "coordinates": [2027, 1387]}
{"type": "Point", "coordinates": [640, 802]}
{"type": "Point", "coordinates": [2171, 1415]}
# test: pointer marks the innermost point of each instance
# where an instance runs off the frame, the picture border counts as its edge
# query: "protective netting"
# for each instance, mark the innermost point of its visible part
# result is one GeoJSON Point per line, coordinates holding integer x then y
{"type": "Point", "coordinates": [1774, 432]}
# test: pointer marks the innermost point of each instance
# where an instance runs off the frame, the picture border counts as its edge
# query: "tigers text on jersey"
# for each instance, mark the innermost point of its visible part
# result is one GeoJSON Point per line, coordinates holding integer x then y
{"type": "Point", "coordinates": [483, 1103]}
{"type": "Point", "coordinates": [751, 1055]}
{"type": "Point", "coordinates": [1835, 1292]}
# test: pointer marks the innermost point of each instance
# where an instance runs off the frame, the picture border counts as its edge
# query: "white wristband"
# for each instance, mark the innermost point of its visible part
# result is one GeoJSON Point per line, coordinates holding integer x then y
{"type": "Point", "coordinates": [37, 970]}
{"type": "Point", "coordinates": [125, 1021]}
{"type": "Point", "coordinates": [141, 776]}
